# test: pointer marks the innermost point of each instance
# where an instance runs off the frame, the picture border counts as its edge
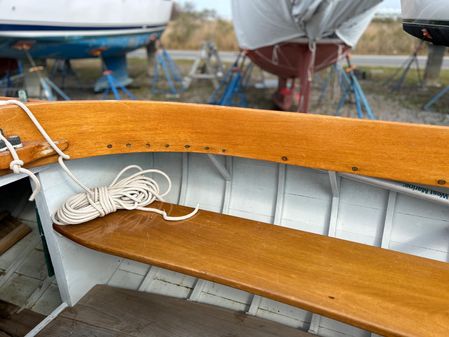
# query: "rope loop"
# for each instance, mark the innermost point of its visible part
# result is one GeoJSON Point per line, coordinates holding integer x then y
{"type": "Point", "coordinates": [16, 165]}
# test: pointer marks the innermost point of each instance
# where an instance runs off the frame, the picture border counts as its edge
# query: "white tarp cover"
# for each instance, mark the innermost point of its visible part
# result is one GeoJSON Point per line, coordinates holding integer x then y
{"type": "Point", "coordinates": [425, 9]}
{"type": "Point", "coordinates": [260, 23]}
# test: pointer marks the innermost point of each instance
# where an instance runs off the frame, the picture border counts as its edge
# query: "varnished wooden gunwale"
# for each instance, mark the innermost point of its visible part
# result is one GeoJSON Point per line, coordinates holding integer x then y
{"type": "Point", "coordinates": [404, 152]}
{"type": "Point", "coordinates": [387, 292]}
{"type": "Point", "coordinates": [31, 151]}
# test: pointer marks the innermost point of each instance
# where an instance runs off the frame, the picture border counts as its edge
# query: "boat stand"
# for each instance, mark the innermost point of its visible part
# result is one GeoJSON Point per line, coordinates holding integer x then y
{"type": "Point", "coordinates": [114, 86]}
{"type": "Point", "coordinates": [396, 85]}
{"type": "Point", "coordinates": [207, 66]}
{"type": "Point", "coordinates": [166, 67]}
{"type": "Point", "coordinates": [47, 86]}
{"type": "Point", "coordinates": [349, 84]}
{"type": "Point", "coordinates": [231, 90]}
{"type": "Point", "coordinates": [435, 98]}
{"type": "Point", "coordinates": [64, 69]}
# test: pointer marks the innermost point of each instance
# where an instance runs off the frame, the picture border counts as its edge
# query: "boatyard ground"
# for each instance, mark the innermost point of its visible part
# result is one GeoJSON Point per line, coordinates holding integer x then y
{"type": "Point", "coordinates": [405, 105]}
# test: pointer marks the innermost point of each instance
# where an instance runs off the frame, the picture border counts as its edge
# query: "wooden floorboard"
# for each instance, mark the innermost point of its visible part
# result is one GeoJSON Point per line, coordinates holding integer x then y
{"type": "Point", "coordinates": [65, 327]}
{"type": "Point", "coordinates": [15, 324]}
{"type": "Point", "coordinates": [107, 311]}
{"type": "Point", "coordinates": [11, 231]}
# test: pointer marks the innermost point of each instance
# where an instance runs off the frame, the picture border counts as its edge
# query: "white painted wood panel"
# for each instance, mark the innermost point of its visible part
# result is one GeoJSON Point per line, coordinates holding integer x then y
{"type": "Point", "coordinates": [254, 186]}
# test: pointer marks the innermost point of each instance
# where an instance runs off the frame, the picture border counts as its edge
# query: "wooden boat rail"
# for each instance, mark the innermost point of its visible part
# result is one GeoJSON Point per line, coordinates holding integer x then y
{"type": "Point", "coordinates": [404, 152]}
{"type": "Point", "coordinates": [31, 151]}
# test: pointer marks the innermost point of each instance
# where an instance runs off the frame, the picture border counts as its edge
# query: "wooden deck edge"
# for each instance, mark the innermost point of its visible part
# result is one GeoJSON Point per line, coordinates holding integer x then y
{"type": "Point", "coordinates": [397, 151]}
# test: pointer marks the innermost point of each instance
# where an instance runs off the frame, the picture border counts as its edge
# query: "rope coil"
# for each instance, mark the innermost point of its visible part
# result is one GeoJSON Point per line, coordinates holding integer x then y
{"type": "Point", "coordinates": [133, 192]}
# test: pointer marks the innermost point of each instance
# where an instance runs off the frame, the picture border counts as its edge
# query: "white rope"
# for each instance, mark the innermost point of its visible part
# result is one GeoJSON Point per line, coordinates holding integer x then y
{"type": "Point", "coordinates": [134, 192]}
{"type": "Point", "coordinates": [16, 166]}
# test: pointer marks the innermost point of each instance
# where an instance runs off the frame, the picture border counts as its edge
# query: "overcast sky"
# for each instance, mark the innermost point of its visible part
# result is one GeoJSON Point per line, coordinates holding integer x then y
{"type": "Point", "coordinates": [223, 7]}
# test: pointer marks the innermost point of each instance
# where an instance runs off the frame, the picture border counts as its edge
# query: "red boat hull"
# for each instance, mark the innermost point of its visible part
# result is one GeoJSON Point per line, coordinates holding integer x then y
{"type": "Point", "coordinates": [290, 61]}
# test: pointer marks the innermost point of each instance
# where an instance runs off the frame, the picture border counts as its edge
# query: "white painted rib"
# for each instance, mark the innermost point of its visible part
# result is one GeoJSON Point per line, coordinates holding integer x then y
{"type": "Point", "coordinates": [335, 186]}
{"type": "Point", "coordinates": [184, 179]}
{"type": "Point", "coordinates": [280, 194]}
{"type": "Point", "coordinates": [228, 187]}
{"type": "Point", "coordinates": [388, 225]}
{"type": "Point", "coordinates": [149, 278]}
{"type": "Point", "coordinates": [38, 328]}
{"type": "Point", "coordinates": [220, 167]}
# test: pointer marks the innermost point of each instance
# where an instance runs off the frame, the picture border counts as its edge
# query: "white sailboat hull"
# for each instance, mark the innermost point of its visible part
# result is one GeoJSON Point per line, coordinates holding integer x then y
{"type": "Point", "coordinates": [21, 18]}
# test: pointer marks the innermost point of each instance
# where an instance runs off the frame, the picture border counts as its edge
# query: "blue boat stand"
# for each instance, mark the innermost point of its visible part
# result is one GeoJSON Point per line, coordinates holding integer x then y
{"type": "Point", "coordinates": [231, 90]}
{"type": "Point", "coordinates": [349, 84]}
{"type": "Point", "coordinates": [166, 67]}
{"type": "Point", "coordinates": [436, 98]}
{"type": "Point", "coordinates": [114, 85]}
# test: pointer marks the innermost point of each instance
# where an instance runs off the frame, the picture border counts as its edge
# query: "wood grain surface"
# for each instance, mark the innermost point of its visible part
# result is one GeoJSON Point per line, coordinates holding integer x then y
{"type": "Point", "coordinates": [405, 152]}
{"type": "Point", "coordinates": [15, 322]}
{"type": "Point", "coordinates": [383, 291]}
{"type": "Point", "coordinates": [11, 231]}
{"type": "Point", "coordinates": [107, 311]}
{"type": "Point", "coordinates": [30, 152]}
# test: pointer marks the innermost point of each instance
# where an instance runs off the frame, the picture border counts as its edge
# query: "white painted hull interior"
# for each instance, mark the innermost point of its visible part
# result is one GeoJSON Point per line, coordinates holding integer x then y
{"type": "Point", "coordinates": [305, 199]}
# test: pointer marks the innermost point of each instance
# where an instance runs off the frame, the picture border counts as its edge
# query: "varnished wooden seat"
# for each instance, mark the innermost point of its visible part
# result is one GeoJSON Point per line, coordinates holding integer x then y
{"type": "Point", "coordinates": [387, 292]}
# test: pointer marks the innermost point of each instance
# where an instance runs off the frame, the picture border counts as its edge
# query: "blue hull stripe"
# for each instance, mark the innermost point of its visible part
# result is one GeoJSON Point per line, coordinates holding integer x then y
{"type": "Point", "coordinates": [15, 27]}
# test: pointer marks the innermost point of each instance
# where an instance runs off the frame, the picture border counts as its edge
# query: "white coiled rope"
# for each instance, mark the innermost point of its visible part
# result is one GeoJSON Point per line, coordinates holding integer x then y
{"type": "Point", "coordinates": [134, 192]}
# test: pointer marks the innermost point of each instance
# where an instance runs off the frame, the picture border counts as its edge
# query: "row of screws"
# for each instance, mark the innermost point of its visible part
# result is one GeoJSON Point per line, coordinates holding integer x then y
{"type": "Point", "coordinates": [283, 158]}
{"type": "Point", "coordinates": [128, 145]}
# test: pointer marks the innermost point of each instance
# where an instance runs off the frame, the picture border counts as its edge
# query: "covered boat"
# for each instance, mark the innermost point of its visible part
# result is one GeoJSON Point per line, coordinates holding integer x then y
{"type": "Point", "coordinates": [427, 20]}
{"type": "Point", "coordinates": [294, 38]}
{"type": "Point", "coordinates": [294, 226]}
{"type": "Point", "coordinates": [67, 29]}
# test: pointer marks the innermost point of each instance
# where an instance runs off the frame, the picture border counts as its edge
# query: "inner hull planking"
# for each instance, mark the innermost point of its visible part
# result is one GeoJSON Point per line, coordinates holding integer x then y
{"type": "Point", "coordinates": [274, 169]}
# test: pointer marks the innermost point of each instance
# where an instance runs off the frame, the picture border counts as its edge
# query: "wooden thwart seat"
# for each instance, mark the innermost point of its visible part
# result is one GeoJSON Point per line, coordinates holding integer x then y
{"type": "Point", "coordinates": [383, 291]}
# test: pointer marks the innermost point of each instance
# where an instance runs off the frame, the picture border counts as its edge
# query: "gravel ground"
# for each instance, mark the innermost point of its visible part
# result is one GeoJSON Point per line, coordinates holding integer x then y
{"type": "Point", "coordinates": [404, 106]}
